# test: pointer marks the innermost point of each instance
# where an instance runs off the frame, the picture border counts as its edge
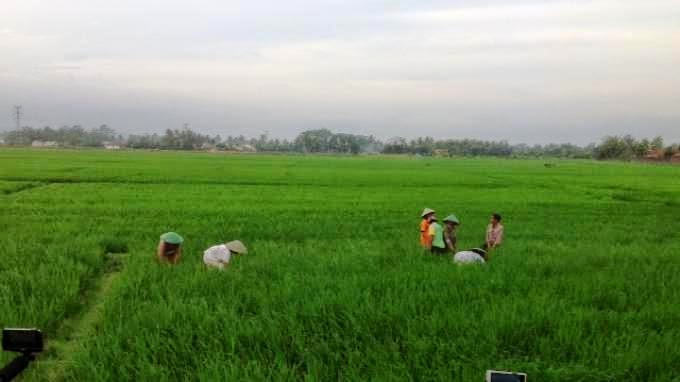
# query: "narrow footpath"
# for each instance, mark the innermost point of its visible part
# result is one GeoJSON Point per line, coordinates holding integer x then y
{"type": "Point", "coordinates": [53, 364]}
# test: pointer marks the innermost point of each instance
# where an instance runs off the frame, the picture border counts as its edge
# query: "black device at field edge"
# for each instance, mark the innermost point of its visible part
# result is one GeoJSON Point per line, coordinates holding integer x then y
{"type": "Point", "coordinates": [28, 342]}
{"type": "Point", "coordinates": [505, 376]}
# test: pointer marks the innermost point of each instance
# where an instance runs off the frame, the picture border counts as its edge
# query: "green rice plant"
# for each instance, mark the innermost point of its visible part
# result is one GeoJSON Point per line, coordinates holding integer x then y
{"type": "Point", "coordinates": [335, 285]}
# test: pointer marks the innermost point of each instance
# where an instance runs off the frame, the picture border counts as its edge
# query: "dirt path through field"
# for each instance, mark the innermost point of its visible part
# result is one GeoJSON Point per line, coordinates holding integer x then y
{"type": "Point", "coordinates": [78, 329]}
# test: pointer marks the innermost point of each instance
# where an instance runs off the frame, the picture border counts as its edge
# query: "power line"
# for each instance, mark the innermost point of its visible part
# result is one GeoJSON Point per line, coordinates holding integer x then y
{"type": "Point", "coordinates": [18, 113]}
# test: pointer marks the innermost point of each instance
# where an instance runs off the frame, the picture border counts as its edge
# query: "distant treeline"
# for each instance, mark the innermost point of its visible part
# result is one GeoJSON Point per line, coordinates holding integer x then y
{"type": "Point", "coordinates": [475, 147]}
{"type": "Point", "coordinates": [326, 141]}
{"type": "Point", "coordinates": [627, 148]}
{"type": "Point", "coordinates": [64, 136]}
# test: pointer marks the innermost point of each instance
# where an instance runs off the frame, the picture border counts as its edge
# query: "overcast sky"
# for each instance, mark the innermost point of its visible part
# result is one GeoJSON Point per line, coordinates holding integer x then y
{"type": "Point", "coordinates": [525, 71]}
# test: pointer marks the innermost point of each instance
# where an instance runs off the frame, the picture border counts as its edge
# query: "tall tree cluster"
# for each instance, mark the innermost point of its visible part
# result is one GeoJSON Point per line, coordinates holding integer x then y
{"type": "Point", "coordinates": [628, 147]}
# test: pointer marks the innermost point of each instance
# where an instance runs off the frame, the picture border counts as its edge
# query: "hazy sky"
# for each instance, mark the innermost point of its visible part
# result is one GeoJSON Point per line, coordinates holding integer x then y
{"type": "Point", "coordinates": [530, 71]}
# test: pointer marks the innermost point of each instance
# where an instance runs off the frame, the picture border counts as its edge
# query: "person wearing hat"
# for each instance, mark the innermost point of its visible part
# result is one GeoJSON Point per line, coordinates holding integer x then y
{"type": "Point", "coordinates": [218, 256]}
{"type": "Point", "coordinates": [471, 256]}
{"type": "Point", "coordinates": [451, 223]}
{"type": "Point", "coordinates": [436, 233]}
{"type": "Point", "coordinates": [425, 227]}
{"type": "Point", "coordinates": [170, 248]}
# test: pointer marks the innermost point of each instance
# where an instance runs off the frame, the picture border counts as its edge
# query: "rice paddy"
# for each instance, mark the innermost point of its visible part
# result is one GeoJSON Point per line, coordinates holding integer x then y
{"type": "Point", "coordinates": [335, 285]}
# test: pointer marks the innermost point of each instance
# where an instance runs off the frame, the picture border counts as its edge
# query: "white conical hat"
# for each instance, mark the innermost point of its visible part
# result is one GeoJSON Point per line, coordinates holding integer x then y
{"type": "Point", "coordinates": [427, 211]}
{"type": "Point", "coordinates": [236, 246]}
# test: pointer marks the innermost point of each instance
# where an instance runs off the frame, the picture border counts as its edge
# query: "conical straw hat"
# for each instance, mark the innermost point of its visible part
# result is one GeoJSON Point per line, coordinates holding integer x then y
{"type": "Point", "coordinates": [172, 238]}
{"type": "Point", "coordinates": [236, 246]}
{"type": "Point", "coordinates": [427, 211]}
{"type": "Point", "coordinates": [452, 219]}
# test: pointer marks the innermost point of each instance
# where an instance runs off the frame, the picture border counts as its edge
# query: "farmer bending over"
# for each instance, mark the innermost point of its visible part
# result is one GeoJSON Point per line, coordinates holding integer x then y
{"type": "Point", "coordinates": [425, 227]}
{"type": "Point", "coordinates": [218, 256]}
{"type": "Point", "coordinates": [494, 233]}
{"type": "Point", "coordinates": [170, 248]}
{"type": "Point", "coordinates": [450, 239]}
{"type": "Point", "coordinates": [471, 256]}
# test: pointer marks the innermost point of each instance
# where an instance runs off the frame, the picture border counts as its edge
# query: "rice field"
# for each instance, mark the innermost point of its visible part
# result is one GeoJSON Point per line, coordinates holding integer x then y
{"type": "Point", "coordinates": [336, 287]}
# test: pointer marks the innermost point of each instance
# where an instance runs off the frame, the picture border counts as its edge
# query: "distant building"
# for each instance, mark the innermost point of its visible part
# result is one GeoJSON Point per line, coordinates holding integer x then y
{"type": "Point", "coordinates": [44, 144]}
{"type": "Point", "coordinates": [111, 146]}
{"type": "Point", "coordinates": [246, 149]}
{"type": "Point", "coordinates": [654, 155]}
{"type": "Point", "coordinates": [675, 158]}
{"type": "Point", "coordinates": [440, 152]}
{"type": "Point", "coordinates": [2, 141]}
{"type": "Point", "coordinates": [207, 146]}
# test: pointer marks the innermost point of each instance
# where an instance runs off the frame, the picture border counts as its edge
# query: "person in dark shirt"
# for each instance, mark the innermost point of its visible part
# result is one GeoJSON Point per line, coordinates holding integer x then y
{"type": "Point", "coordinates": [450, 238]}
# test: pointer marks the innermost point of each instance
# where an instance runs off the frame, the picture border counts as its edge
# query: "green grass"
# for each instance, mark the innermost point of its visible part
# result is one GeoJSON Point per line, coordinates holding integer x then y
{"type": "Point", "coordinates": [335, 287]}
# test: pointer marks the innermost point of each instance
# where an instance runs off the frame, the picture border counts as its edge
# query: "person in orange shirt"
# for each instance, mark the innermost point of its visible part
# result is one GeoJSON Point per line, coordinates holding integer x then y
{"type": "Point", "coordinates": [425, 238]}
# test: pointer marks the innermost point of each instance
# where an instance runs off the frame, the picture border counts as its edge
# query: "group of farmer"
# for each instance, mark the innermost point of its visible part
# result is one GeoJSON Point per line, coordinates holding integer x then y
{"type": "Point", "coordinates": [217, 256]}
{"type": "Point", "coordinates": [441, 240]}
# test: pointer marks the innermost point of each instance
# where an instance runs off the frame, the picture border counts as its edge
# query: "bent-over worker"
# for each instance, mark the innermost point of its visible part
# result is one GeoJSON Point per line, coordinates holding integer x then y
{"type": "Point", "coordinates": [170, 248]}
{"type": "Point", "coordinates": [471, 256]}
{"type": "Point", "coordinates": [218, 256]}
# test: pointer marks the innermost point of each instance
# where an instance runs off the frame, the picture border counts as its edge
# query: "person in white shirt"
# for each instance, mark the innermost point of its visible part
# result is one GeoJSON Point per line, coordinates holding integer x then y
{"type": "Point", "coordinates": [472, 256]}
{"type": "Point", "coordinates": [218, 256]}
